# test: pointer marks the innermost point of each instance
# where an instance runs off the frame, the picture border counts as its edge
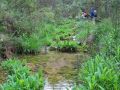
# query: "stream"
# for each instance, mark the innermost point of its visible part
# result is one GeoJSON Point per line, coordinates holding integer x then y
{"type": "Point", "coordinates": [60, 69]}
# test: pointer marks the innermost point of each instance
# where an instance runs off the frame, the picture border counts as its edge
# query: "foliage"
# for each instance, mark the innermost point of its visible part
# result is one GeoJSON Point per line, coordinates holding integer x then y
{"type": "Point", "coordinates": [62, 37]}
{"type": "Point", "coordinates": [19, 77]}
{"type": "Point", "coordinates": [30, 44]}
{"type": "Point", "coordinates": [101, 71]}
{"type": "Point", "coordinates": [106, 37]}
{"type": "Point", "coordinates": [19, 16]}
{"type": "Point", "coordinates": [25, 23]}
{"type": "Point", "coordinates": [84, 28]}
{"type": "Point", "coordinates": [69, 34]}
{"type": "Point", "coordinates": [32, 24]}
{"type": "Point", "coordinates": [101, 74]}
{"type": "Point", "coordinates": [68, 46]}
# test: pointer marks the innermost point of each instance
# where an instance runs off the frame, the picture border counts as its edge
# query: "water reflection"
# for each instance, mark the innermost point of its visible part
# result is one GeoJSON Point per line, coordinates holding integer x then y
{"type": "Point", "coordinates": [61, 85]}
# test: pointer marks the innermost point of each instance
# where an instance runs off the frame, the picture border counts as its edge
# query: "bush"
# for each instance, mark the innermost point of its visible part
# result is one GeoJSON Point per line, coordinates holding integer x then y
{"type": "Point", "coordinates": [67, 46]}
{"type": "Point", "coordinates": [23, 22]}
{"type": "Point", "coordinates": [30, 44]}
{"type": "Point", "coordinates": [19, 77]}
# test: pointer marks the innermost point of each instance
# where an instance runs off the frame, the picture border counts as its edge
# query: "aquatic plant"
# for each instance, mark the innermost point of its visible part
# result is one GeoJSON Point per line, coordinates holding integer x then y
{"type": "Point", "coordinates": [101, 71]}
{"type": "Point", "coordinates": [30, 44]}
{"type": "Point", "coordinates": [20, 78]}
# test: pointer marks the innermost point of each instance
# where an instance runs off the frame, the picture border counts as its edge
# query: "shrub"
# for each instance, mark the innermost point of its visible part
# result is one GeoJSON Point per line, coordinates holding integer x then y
{"type": "Point", "coordinates": [67, 46]}
{"type": "Point", "coordinates": [23, 22]}
{"type": "Point", "coordinates": [30, 43]}
{"type": "Point", "coordinates": [19, 77]}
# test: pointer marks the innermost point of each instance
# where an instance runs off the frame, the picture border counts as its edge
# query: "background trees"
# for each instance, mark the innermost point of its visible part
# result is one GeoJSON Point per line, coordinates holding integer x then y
{"type": "Point", "coordinates": [22, 18]}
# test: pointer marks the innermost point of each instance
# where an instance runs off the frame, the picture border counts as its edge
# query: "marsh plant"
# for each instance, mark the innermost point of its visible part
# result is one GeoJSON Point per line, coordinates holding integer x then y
{"type": "Point", "coordinates": [20, 77]}
{"type": "Point", "coordinates": [101, 72]}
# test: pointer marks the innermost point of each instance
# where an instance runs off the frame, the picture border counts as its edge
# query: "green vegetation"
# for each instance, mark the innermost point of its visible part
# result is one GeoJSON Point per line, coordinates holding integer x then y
{"type": "Point", "coordinates": [30, 26]}
{"type": "Point", "coordinates": [20, 78]}
{"type": "Point", "coordinates": [71, 35]}
{"type": "Point", "coordinates": [26, 26]}
{"type": "Point", "coordinates": [84, 28]}
{"type": "Point", "coordinates": [101, 71]}
{"type": "Point", "coordinates": [30, 44]}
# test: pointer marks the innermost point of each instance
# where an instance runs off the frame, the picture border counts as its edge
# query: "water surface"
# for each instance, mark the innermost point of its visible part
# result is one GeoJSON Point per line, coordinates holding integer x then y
{"type": "Point", "coordinates": [60, 69]}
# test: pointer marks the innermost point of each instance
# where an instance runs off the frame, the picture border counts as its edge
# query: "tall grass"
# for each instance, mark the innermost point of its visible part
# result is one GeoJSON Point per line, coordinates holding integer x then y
{"type": "Point", "coordinates": [84, 28]}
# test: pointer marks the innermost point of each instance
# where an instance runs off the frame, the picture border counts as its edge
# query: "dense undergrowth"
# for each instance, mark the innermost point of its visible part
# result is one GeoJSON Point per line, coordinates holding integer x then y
{"type": "Point", "coordinates": [101, 72]}
{"type": "Point", "coordinates": [29, 28]}
{"type": "Point", "coordinates": [71, 35]}
{"type": "Point", "coordinates": [20, 77]}
{"type": "Point", "coordinates": [26, 26]}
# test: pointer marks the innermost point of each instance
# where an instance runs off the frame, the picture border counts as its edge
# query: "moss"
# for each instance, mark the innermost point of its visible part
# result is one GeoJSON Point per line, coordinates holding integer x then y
{"type": "Point", "coordinates": [68, 72]}
{"type": "Point", "coordinates": [56, 66]}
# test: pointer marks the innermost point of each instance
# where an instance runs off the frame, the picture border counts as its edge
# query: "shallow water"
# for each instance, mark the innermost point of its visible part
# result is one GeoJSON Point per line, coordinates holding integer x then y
{"type": "Point", "coordinates": [61, 85]}
{"type": "Point", "coordinates": [60, 69]}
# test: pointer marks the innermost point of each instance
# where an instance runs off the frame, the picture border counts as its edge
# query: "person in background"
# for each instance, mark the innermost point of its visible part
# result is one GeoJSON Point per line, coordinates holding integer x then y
{"type": "Point", "coordinates": [84, 14]}
{"type": "Point", "coordinates": [93, 14]}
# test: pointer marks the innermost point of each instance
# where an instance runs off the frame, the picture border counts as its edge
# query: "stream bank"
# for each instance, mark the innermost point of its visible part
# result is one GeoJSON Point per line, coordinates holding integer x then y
{"type": "Point", "coordinates": [59, 68]}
